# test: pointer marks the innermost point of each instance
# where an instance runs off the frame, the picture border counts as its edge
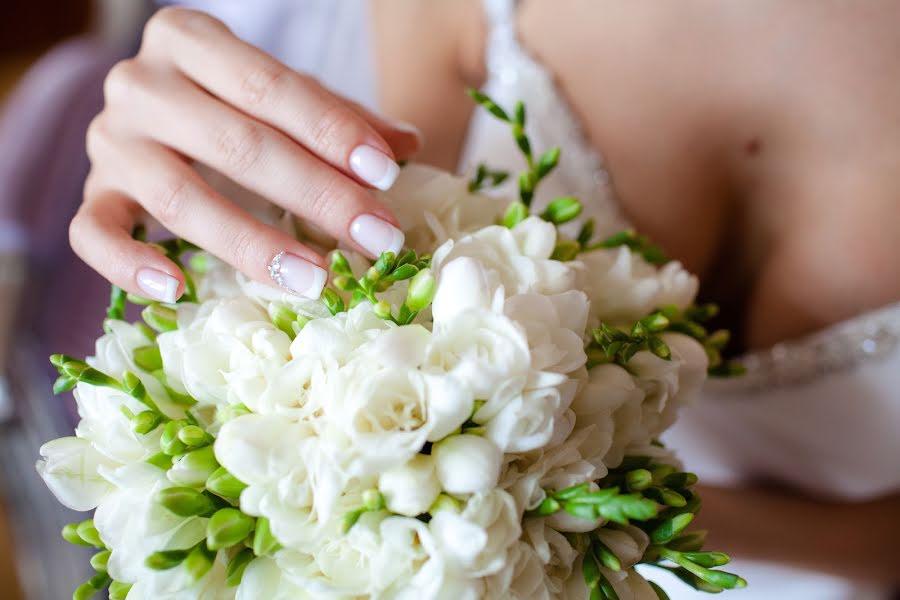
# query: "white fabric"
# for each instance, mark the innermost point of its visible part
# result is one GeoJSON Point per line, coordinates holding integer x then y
{"type": "Point", "coordinates": [832, 434]}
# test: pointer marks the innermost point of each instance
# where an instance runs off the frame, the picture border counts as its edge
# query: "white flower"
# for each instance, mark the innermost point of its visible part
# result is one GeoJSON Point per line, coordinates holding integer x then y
{"type": "Point", "coordinates": [477, 540]}
{"type": "Point", "coordinates": [523, 577]}
{"type": "Point", "coordinates": [70, 468]}
{"type": "Point", "coordinates": [554, 326]}
{"type": "Point", "coordinates": [433, 206]}
{"type": "Point", "coordinates": [624, 287]}
{"type": "Point", "coordinates": [520, 421]}
{"type": "Point", "coordinates": [610, 406]}
{"type": "Point", "coordinates": [516, 259]}
{"type": "Point", "coordinates": [336, 338]}
{"type": "Point", "coordinates": [481, 349]}
{"type": "Point", "coordinates": [225, 354]}
{"type": "Point", "coordinates": [467, 464]}
{"type": "Point", "coordinates": [410, 489]}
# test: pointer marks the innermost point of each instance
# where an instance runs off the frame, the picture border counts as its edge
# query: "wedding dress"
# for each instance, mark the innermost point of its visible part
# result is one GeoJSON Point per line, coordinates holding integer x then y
{"type": "Point", "coordinates": [818, 414]}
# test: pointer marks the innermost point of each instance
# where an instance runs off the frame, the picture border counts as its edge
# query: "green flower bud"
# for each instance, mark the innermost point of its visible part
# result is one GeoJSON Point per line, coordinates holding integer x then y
{"type": "Point", "coordinates": [94, 377]}
{"type": "Point", "coordinates": [680, 480]}
{"type": "Point", "coordinates": [526, 188]}
{"type": "Point", "coordinates": [227, 527]}
{"type": "Point", "coordinates": [186, 502]}
{"type": "Point", "coordinates": [63, 384]}
{"type": "Point", "coordinates": [421, 290]}
{"type": "Point", "coordinates": [264, 543]}
{"type": "Point", "coordinates": [148, 358]}
{"type": "Point", "coordinates": [283, 318]}
{"type": "Point", "coordinates": [708, 559]}
{"type": "Point", "coordinates": [99, 560]}
{"type": "Point", "coordinates": [227, 413]}
{"type": "Point", "coordinates": [586, 233]}
{"type": "Point", "coordinates": [689, 542]}
{"type": "Point", "coordinates": [89, 533]}
{"type": "Point", "coordinates": [521, 139]}
{"type": "Point", "coordinates": [639, 479]}
{"type": "Point", "coordinates": [133, 386]}
{"type": "Point", "coordinates": [222, 483]}
{"type": "Point", "coordinates": [372, 275]}
{"type": "Point", "coordinates": [445, 502]}
{"type": "Point", "coordinates": [58, 360]}
{"type": "Point", "coordinates": [515, 214]}
{"type": "Point", "coordinates": [590, 570]}
{"type": "Point", "coordinates": [656, 322]}
{"type": "Point", "coordinates": [404, 272]}
{"type": "Point", "coordinates": [340, 265]}
{"type": "Point", "coordinates": [160, 318]}
{"type": "Point", "coordinates": [565, 250]}
{"type": "Point", "coordinates": [166, 559]}
{"type": "Point", "coordinates": [194, 468]}
{"type": "Point", "coordinates": [160, 460]}
{"type": "Point", "coordinates": [199, 561]}
{"type": "Point", "coordinates": [606, 556]}
{"type": "Point", "coordinates": [373, 500]}
{"type": "Point", "coordinates": [582, 511]}
{"type": "Point", "coordinates": [91, 586]}
{"type": "Point", "coordinates": [70, 534]}
{"type": "Point", "coordinates": [145, 422]}
{"type": "Point", "coordinates": [234, 572]}
{"type": "Point", "coordinates": [332, 301]}
{"type": "Point", "coordinates": [119, 590]}
{"type": "Point", "coordinates": [548, 162]}
{"type": "Point", "coordinates": [548, 507]}
{"type": "Point", "coordinates": [169, 442]}
{"type": "Point", "coordinates": [562, 210]}
{"type": "Point", "coordinates": [659, 347]}
{"type": "Point", "coordinates": [670, 528]}
{"type": "Point", "coordinates": [193, 435]}
{"type": "Point", "coordinates": [350, 519]}
{"type": "Point", "coordinates": [573, 492]}
{"type": "Point", "coordinates": [382, 310]}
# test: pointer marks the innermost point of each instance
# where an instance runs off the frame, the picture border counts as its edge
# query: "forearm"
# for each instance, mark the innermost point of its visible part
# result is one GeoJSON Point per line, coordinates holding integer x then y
{"type": "Point", "coordinates": [854, 540]}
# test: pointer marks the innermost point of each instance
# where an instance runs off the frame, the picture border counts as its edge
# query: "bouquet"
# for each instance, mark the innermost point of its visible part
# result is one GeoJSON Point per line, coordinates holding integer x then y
{"type": "Point", "coordinates": [476, 417]}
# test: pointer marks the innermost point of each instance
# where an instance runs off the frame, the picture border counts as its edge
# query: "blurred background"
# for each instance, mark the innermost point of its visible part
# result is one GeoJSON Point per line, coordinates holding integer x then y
{"type": "Point", "coordinates": [53, 56]}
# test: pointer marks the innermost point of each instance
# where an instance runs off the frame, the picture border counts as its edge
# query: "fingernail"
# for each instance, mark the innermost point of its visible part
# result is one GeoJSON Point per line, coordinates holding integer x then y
{"type": "Point", "coordinates": [158, 285]}
{"type": "Point", "coordinates": [376, 235]}
{"type": "Point", "coordinates": [298, 276]}
{"type": "Point", "coordinates": [374, 167]}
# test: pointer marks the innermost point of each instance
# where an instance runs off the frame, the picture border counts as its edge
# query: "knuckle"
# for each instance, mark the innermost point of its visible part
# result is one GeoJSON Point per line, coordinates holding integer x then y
{"type": "Point", "coordinates": [240, 146]}
{"type": "Point", "coordinates": [174, 20]}
{"type": "Point", "coordinates": [266, 85]}
{"type": "Point", "coordinates": [78, 227]}
{"type": "Point", "coordinates": [332, 134]}
{"type": "Point", "coordinates": [171, 199]}
{"type": "Point", "coordinates": [121, 79]}
{"type": "Point", "coordinates": [321, 202]}
{"type": "Point", "coordinates": [244, 247]}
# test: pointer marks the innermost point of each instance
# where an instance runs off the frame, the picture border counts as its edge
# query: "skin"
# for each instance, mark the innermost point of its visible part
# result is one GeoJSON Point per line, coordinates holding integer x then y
{"type": "Point", "coordinates": [771, 130]}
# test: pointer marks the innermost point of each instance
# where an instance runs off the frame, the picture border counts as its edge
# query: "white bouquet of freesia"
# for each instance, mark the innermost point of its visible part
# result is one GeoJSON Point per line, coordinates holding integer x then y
{"type": "Point", "coordinates": [476, 417]}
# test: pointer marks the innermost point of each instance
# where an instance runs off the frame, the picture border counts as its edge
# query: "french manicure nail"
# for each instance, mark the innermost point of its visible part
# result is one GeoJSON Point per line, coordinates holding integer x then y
{"type": "Point", "coordinates": [298, 276]}
{"type": "Point", "coordinates": [376, 235]}
{"type": "Point", "coordinates": [158, 285]}
{"type": "Point", "coordinates": [374, 167]}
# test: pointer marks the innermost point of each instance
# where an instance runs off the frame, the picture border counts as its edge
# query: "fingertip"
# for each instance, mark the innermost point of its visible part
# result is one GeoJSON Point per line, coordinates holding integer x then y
{"type": "Point", "coordinates": [159, 285]}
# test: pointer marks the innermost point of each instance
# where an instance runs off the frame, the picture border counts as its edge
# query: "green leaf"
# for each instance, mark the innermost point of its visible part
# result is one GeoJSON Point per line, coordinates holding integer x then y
{"type": "Point", "coordinates": [573, 491]}
{"type": "Point", "coordinates": [589, 512]}
{"type": "Point", "coordinates": [562, 210]}
{"type": "Point", "coordinates": [186, 502]}
{"type": "Point", "coordinates": [660, 593]}
{"type": "Point", "coordinates": [234, 572]}
{"type": "Point", "coordinates": [620, 509]}
{"type": "Point", "coordinates": [227, 527]}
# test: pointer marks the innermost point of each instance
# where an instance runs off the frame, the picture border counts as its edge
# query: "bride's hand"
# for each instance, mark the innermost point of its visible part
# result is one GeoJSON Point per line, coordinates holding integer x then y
{"type": "Point", "coordinates": [195, 92]}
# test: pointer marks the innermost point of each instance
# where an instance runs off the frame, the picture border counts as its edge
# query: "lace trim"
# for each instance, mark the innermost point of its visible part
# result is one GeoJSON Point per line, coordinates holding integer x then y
{"type": "Point", "coordinates": [868, 337]}
{"type": "Point", "coordinates": [511, 66]}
